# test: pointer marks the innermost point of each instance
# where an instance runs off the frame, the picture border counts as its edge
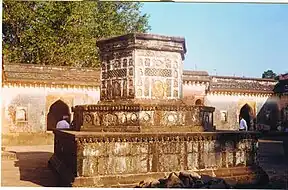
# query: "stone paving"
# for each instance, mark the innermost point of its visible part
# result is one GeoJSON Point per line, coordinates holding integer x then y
{"type": "Point", "coordinates": [30, 168]}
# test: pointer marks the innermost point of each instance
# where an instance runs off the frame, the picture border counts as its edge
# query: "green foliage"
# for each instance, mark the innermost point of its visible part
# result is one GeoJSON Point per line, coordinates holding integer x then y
{"type": "Point", "coordinates": [65, 33]}
{"type": "Point", "coordinates": [269, 74]}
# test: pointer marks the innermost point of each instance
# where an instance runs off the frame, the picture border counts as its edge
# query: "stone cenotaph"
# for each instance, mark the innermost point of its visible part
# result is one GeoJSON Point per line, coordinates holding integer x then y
{"type": "Point", "coordinates": [141, 127]}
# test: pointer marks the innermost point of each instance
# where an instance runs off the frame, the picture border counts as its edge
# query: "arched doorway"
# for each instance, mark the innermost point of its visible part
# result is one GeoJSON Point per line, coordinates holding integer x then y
{"type": "Point", "coordinates": [246, 113]}
{"type": "Point", "coordinates": [198, 102]}
{"type": "Point", "coordinates": [56, 112]}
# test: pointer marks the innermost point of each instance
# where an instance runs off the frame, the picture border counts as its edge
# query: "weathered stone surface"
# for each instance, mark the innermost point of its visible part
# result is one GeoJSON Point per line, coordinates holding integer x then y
{"type": "Point", "coordinates": [105, 154]}
{"type": "Point", "coordinates": [163, 116]}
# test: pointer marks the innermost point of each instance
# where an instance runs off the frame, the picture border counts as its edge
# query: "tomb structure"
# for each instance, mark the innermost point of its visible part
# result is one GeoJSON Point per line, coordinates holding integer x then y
{"type": "Point", "coordinates": [141, 88]}
{"type": "Point", "coordinates": [141, 127]}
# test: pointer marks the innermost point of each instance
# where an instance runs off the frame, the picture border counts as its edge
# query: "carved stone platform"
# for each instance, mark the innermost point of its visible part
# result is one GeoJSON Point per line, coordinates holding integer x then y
{"type": "Point", "coordinates": [124, 159]}
{"type": "Point", "coordinates": [143, 118]}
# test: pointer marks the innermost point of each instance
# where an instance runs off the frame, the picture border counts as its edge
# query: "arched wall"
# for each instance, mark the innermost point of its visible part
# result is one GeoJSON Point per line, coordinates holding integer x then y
{"type": "Point", "coordinates": [56, 112]}
{"type": "Point", "coordinates": [37, 101]}
{"type": "Point", "coordinates": [231, 105]}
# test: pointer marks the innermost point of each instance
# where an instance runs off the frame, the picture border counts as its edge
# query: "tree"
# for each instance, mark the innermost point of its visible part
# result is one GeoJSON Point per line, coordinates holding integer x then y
{"type": "Point", "coordinates": [269, 74]}
{"type": "Point", "coordinates": [65, 33]}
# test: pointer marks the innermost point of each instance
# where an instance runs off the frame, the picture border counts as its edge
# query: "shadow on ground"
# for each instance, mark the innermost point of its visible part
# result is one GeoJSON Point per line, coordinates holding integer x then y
{"type": "Point", "coordinates": [273, 160]}
{"type": "Point", "coordinates": [33, 167]}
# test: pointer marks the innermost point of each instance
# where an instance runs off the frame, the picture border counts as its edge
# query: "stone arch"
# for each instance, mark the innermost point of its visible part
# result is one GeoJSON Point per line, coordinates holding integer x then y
{"type": "Point", "coordinates": [56, 112]}
{"type": "Point", "coordinates": [246, 112]}
{"type": "Point", "coordinates": [198, 102]}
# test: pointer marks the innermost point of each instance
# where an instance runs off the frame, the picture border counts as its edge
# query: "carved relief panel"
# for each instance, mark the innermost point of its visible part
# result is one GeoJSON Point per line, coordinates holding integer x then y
{"type": "Point", "coordinates": [117, 73]}
{"type": "Point", "coordinates": [158, 74]}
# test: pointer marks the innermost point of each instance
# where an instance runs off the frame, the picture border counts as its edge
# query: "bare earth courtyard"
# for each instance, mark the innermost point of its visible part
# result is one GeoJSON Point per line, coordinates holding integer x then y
{"type": "Point", "coordinates": [30, 168]}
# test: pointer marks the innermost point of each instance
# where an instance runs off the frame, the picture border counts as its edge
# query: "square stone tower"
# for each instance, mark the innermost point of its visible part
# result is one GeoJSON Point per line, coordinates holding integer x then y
{"type": "Point", "coordinates": [141, 67]}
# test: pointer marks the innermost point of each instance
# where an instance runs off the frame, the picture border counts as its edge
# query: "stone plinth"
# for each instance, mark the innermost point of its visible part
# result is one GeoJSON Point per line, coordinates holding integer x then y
{"type": "Point", "coordinates": [143, 118]}
{"type": "Point", "coordinates": [124, 159]}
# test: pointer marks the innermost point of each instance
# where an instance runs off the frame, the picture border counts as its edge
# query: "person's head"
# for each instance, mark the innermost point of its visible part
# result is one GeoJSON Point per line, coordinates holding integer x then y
{"type": "Point", "coordinates": [65, 117]}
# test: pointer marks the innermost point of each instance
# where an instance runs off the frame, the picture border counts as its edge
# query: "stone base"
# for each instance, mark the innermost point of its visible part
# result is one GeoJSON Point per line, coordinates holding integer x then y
{"type": "Point", "coordinates": [236, 176]}
{"type": "Point", "coordinates": [92, 159]}
{"type": "Point", "coordinates": [136, 117]}
{"type": "Point", "coordinates": [6, 155]}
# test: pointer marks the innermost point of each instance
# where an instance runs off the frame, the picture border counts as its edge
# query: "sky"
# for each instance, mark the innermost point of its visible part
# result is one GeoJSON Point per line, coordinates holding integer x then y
{"type": "Point", "coordinates": [226, 39]}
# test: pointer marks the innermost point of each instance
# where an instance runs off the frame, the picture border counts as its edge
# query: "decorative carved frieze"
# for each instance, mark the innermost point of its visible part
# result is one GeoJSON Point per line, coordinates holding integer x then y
{"type": "Point", "coordinates": [244, 140]}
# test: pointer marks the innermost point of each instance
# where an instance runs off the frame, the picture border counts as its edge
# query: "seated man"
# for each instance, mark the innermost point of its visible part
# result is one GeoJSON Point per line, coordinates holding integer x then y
{"type": "Point", "coordinates": [63, 124]}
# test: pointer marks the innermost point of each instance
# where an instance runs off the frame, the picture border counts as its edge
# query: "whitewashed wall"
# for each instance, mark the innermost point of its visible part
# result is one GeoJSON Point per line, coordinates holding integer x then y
{"type": "Point", "coordinates": [37, 101]}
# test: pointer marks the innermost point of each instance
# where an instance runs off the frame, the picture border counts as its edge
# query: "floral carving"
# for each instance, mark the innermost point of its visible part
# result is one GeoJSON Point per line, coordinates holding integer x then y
{"type": "Point", "coordinates": [88, 118]}
{"type": "Point", "coordinates": [110, 120]}
{"type": "Point", "coordinates": [133, 117]}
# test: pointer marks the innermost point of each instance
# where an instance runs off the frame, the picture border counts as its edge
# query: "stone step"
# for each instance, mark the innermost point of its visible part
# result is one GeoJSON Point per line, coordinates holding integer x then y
{"type": "Point", "coordinates": [7, 155]}
{"type": "Point", "coordinates": [22, 139]}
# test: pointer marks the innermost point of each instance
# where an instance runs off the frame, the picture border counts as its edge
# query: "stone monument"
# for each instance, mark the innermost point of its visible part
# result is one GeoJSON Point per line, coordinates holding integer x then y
{"type": "Point", "coordinates": [141, 88]}
{"type": "Point", "coordinates": [141, 128]}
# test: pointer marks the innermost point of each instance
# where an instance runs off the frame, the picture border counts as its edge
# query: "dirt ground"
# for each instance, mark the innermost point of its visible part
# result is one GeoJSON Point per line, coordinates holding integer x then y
{"type": "Point", "coordinates": [30, 168]}
{"type": "Point", "coordinates": [273, 161]}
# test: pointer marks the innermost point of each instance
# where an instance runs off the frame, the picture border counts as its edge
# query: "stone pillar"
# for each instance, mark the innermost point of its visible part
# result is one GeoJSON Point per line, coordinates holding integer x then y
{"type": "Point", "coordinates": [141, 66]}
